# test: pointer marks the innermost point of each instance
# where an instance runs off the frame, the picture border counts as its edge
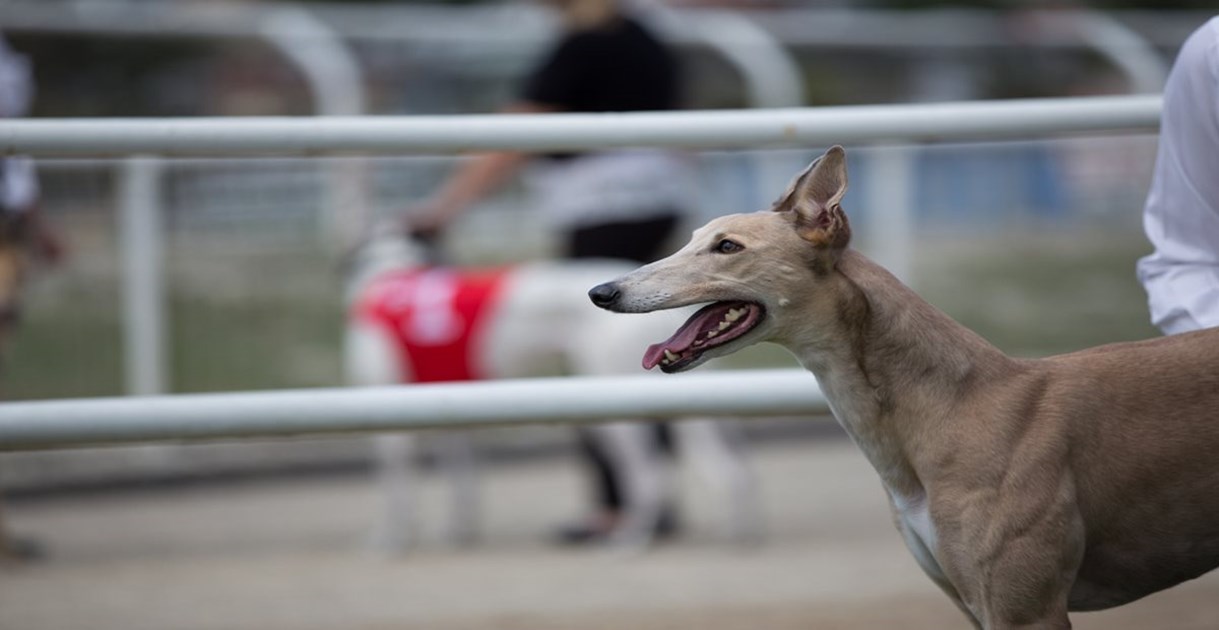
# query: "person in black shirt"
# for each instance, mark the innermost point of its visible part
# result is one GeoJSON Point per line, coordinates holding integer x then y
{"type": "Point", "coordinates": [606, 62]}
{"type": "Point", "coordinates": [617, 66]}
{"type": "Point", "coordinates": [623, 204]}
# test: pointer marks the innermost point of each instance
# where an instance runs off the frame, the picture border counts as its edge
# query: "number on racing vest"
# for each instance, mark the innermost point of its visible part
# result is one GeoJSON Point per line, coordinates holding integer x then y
{"type": "Point", "coordinates": [435, 316]}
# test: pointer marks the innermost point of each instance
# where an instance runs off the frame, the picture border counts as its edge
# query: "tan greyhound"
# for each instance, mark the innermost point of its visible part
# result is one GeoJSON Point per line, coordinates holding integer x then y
{"type": "Point", "coordinates": [1024, 487]}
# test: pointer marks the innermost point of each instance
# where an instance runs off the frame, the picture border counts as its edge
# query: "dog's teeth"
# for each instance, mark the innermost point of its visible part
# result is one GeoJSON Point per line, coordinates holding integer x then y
{"type": "Point", "coordinates": [734, 314]}
{"type": "Point", "coordinates": [712, 333]}
{"type": "Point", "coordinates": [723, 326]}
{"type": "Point", "coordinates": [670, 356]}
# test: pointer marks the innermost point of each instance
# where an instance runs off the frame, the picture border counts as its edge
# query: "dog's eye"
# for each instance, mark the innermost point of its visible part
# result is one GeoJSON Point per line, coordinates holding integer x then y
{"type": "Point", "coordinates": [727, 246]}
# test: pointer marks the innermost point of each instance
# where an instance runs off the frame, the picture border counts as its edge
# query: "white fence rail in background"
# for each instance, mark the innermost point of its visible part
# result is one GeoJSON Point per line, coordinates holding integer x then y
{"type": "Point", "coordinates": [57, 424]}
{"type": "Point", "coordinates": [809, 127]}
{"type": "Point", "coordinates": [970, 120]}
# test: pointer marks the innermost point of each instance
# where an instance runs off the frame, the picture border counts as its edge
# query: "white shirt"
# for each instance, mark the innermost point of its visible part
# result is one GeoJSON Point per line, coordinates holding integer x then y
{"type": "Point", "coordinates": [1181, 216]}
{"type": "Point", "coordinates": [18, 184]}
{"type": "Point", "coordinates": [615, 185]}
{"type": "Point", "coordinates": [16, 83]}
{"type": "Point", "coordinates": [18, 181]}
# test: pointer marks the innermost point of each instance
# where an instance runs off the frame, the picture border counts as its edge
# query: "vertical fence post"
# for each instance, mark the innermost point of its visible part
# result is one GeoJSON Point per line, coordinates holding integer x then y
{"type": "Point", "coordinates": [332, 71]}
{"type": "Point", "coordinates": [891, 197]}
{"type": "Point", "coordinates": [143, 260]}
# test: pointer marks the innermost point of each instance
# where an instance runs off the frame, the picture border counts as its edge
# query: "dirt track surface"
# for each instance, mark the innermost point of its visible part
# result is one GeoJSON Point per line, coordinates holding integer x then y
{"type": "Point", "coordinates": [282, 555]}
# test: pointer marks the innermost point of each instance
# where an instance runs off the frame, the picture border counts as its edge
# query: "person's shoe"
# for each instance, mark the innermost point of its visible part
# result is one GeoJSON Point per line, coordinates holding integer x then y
{"type": "Point", "coordinates": [593, 530]}
{"type": "Point", "coordinates": [669, 525]}
{"type": "Point", "coordinates": [578, 534]}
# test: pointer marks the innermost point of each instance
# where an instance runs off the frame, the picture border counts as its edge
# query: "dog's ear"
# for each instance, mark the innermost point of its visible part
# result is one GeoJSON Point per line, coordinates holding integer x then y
{"type": "Point", "coordinates": [814, 201]}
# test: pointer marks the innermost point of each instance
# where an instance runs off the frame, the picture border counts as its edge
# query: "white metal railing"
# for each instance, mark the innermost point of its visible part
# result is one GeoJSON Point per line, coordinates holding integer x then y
{"type": "Point", "coordinates": [499, 25]}
{"type": "Point", "coordinates": [53, 424]}
{"type": "Point", "coordinates": [147, 360]}
{"type": "Point", "coordinates": [820, 126]}
{"type": "Point", "coordinates": [57, 424]}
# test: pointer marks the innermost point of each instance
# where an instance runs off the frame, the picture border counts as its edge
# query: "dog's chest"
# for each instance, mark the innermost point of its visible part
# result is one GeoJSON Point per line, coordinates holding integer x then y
{"type": "Point", "coordinates": [914, 519]}
{"type": "Point", "coordinates": [912, 511]}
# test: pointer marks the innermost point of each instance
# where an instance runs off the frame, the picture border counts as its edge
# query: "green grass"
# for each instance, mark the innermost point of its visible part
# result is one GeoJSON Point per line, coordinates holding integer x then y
{"type": "Point", "coordinates": [68, 346]}
{"type": "Point", "coordinates": [214, 346]}
{"type": "Point", "coordinates": [237, 320]}
{"type": "Point", "coordinates": [259, 344]}
{"type": "Point", "coordinates": [1041, 295]}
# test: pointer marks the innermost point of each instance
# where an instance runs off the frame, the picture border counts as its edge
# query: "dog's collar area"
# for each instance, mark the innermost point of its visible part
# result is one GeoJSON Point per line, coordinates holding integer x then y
{"type": "Point", "coordinates": [713, 325]}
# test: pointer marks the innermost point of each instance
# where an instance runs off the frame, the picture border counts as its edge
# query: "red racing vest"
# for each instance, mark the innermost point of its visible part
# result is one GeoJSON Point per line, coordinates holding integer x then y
{"type": "Point", "coordinates": [436, 317]}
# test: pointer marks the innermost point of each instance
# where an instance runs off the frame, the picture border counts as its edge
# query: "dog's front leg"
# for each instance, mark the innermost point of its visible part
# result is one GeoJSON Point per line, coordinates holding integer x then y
{"type": "Point", "coordinates": [1027, 594]}
{"type": "Point", "coordinates": [927, 561]}
{"type": "Point", "coordinates": [460, 466]}
{"type": "Point", "coordinates": [714, 448]}
{"type": "Point", "coordinates": [395, 458]}
{"type": "Point", "coordinates": [1013, 604]}
{"type": "Point", "coordinates": [1009, 602]}
{"type": "Point", "coordinates": [1014, 559]}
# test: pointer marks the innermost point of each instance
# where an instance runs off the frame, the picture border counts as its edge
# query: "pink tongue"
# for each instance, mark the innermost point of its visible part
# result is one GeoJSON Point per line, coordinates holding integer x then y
{"type": "Point", "coordinates": [678, 343]}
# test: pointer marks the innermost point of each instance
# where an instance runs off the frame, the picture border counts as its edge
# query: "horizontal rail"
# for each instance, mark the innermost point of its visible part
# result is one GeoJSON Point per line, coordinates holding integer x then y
{"type": "Point", "coordinates": [970, 120]}
{"type": "Point", "coordinates": [197, 417]}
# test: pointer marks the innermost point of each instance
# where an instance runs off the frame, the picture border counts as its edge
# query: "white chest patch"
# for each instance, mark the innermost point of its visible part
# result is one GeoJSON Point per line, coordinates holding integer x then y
{"type": "Point", "coordinates": [913, 513]}
{"type": "Point", "coordinates": [919, 532]}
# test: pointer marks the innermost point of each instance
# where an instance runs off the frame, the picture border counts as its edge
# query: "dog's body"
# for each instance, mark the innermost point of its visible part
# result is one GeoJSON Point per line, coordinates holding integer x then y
{"type": "Point", "coordinates": [535, 322]}
{"type": "Point", "coordinates": [1024, 488]}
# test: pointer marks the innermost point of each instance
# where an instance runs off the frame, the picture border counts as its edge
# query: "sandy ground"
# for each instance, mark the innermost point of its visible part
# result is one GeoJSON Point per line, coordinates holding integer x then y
{"type": "Point", "coordinates": [291, 555]}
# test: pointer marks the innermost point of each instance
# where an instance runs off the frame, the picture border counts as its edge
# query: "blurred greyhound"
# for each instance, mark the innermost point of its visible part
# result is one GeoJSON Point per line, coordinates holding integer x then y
{"type": "Point", "coordinates": [1024, 488]}
{"type": "Point", "coordinates": [411, 322]}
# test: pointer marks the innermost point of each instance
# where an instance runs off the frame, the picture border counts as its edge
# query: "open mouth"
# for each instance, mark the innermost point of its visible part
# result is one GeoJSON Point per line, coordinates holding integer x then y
{"type": "Point", "coordinates": [713, 325]}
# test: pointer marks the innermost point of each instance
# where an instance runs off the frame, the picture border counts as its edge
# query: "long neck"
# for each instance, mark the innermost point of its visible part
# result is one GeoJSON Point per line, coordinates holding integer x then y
{"type": "Point", "coordinates": [891, 365]}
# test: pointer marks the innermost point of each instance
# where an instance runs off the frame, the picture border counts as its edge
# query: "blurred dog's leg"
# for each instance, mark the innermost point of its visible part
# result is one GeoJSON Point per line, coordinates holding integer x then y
{"type": "Point", "coordinates": [397, 529]}
{"type": "Point", "coordinates": [459, 465]}
{"type": "Point", "coordinates": [371, 361]}
{"type": "Point", "coordinates": [714, 448]}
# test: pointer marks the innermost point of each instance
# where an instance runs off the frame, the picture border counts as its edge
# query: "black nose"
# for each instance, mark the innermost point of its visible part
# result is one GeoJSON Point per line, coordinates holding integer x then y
{"type": "Point", "coordinates": [604, 294]}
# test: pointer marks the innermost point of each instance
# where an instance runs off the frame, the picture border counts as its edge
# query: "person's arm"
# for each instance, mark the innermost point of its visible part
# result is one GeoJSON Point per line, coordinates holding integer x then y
{"type": "Point", "coordinates": [23, 194]}
{"type": "Point", "coordinates": [1181, 216]}
{"type": "Point", "coordinates": [474, 180]}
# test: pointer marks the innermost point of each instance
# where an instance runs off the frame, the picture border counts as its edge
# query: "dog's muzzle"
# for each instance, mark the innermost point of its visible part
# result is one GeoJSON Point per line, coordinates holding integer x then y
{"type": "Point", "coordinates": [604, 295]}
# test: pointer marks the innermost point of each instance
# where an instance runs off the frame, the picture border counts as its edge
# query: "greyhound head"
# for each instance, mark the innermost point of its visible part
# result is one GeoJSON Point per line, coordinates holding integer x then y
{"type": "Point", "coordinates": [753, 271]}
